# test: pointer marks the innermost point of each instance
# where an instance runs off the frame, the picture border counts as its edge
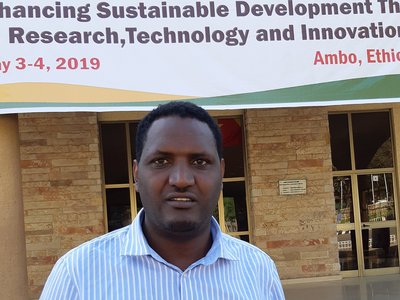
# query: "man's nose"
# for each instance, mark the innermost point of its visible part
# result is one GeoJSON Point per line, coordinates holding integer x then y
{"type": "Point", "coordinates": [181, 176]}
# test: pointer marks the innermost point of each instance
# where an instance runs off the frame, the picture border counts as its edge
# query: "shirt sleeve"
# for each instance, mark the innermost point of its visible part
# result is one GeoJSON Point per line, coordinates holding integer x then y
{"type": "Point", "coordinates": [59, 284]}
{"type": "Point", "coordinates": [274, 290]}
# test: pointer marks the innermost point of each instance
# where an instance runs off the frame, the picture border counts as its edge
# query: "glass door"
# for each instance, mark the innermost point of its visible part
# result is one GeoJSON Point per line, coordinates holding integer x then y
{"type": "Point", "coordinates": [378, 220]}
{"type": "Point", "coordinates": [365, 194]}
{"type": "Point", "coordinates": [346, 233]}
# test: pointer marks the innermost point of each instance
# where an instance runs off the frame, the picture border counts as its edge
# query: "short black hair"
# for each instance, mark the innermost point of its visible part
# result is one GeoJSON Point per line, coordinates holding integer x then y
{"type": "Point", "coordinates": [181, 109]}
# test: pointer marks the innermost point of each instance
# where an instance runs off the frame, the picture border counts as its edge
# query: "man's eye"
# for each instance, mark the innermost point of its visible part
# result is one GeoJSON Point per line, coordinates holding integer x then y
{"type": "Point", "coordinates": [159, 163]}
{"type": "Point", "coordinates": [200, 162]}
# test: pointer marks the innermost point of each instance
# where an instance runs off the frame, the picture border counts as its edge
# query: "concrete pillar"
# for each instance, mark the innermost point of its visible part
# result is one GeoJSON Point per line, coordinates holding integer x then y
{"type": "Point", "coordinates": [396, 135]}
{"type": "Point", "coordinates": [13, 275]}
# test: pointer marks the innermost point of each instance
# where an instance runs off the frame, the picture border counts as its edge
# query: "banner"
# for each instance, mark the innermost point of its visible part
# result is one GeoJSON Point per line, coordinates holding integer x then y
{"type": "Point", "coordinates": [118, 55]}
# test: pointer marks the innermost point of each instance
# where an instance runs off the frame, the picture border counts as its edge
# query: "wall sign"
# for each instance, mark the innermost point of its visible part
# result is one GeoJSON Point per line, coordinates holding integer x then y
{"type": "Point", "coordinates": [292, 187]}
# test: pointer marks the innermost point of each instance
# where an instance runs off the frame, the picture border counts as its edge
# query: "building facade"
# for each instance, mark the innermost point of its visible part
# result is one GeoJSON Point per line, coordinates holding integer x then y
{"type": "Point", "coordinates": [314, 187]}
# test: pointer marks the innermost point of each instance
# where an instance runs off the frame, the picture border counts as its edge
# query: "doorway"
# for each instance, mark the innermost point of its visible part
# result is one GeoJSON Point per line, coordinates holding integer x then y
{"type": "Point", "coordinates": [365, 192]}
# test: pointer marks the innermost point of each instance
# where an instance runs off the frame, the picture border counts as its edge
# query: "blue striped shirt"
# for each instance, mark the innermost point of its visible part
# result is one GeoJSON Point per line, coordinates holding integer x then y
{"type": "Point", "coordinates": [121, 265]}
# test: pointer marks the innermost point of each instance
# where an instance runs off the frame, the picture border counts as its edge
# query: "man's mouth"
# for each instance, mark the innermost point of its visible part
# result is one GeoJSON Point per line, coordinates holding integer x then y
{"type": "Point", "coordinates": [181, 199]}
{"type": "Point", "coordinates": [181, 202]}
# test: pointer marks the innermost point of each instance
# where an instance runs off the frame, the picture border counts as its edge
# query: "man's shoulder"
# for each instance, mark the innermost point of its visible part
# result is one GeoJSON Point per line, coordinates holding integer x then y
{"type": "Point", "coordinates": [109, 242]}
{"type": "Point", "coordinates": [244, 250]}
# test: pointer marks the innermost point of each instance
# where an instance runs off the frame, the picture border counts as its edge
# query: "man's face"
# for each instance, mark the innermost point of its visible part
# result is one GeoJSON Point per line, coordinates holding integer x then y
{"type": "Point", "coordinates": [179, 176]}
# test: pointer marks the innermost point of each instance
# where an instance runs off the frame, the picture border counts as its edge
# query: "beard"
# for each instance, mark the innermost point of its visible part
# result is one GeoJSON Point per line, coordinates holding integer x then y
{"type": "Point", "coordinates": [187, 229]}
{"type": "Point", "coordinates": [182, 227]}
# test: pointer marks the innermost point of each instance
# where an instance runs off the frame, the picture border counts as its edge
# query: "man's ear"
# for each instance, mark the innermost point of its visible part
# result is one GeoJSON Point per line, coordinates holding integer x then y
{"type": "Point", "coordinates": [222, 169]}
{"type": "Point", "coordinates": [135, 173]}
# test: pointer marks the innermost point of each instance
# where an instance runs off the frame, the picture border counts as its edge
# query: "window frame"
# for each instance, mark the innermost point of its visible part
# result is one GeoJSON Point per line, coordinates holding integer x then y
{"type": "Point", "coordinates": [116, 118]}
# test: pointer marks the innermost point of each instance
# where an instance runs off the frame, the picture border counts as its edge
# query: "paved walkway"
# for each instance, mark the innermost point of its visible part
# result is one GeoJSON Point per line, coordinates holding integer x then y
{"type": "Point", "coordinates": [385, 287]}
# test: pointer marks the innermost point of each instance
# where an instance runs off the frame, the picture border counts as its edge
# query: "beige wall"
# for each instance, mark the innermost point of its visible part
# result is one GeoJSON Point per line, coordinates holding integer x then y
{"type": "Point", "coordinates": [61, 182]}
{"type": "Point", "coordinates": [298, 231]}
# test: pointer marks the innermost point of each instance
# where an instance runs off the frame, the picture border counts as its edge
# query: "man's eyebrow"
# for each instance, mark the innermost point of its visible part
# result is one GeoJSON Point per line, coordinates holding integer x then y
{"type": "Point", "coordinates": [201, 153]}
{"type": "Point", "coordinates": [206, 155]}
{"type": "Point", "coordinates": [169, 153]}
{"type": "Point", "coordinates": [159, 152]}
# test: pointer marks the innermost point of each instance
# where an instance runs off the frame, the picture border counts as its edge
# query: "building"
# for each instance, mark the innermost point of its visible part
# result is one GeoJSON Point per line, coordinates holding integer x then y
{"type": "Point", "coordinates": [314, 187]}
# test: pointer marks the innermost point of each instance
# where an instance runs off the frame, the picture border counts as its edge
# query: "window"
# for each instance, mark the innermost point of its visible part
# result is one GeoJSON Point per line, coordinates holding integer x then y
{"type": "Point", "coordinates": [363, 182]}
{"type": "Point", "coordinates": [232, 206]}
{"type": "Point", "coordinates": [122, 202]}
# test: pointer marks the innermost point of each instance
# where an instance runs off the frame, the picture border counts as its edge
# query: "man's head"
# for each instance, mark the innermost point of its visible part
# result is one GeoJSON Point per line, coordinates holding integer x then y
{"type": "Point", "coordinates": [179, 172]}
{"type": "Point", "coordinates": [180, 109]}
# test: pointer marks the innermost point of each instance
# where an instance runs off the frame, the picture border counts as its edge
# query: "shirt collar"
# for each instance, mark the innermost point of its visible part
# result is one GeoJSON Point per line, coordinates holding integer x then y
{"type": "Point", "coordinates": [135, 243]}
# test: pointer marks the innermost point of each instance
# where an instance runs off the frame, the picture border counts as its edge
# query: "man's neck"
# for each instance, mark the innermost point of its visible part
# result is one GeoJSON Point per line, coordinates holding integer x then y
{"type": "Point", "coordinates": [181, 252]}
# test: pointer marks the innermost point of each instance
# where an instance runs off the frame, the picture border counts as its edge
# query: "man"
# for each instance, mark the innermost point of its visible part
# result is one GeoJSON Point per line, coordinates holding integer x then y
{"type": "Point", "coordinates": [174, 249]}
